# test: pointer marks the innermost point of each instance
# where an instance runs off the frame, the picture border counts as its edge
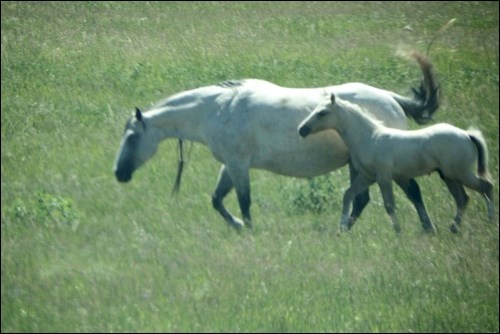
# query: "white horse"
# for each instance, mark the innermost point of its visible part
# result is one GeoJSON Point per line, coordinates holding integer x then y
{"type": "Point", "coordinates": [252, 124]}
{"type": "Point", "coordinates": [381, 154]}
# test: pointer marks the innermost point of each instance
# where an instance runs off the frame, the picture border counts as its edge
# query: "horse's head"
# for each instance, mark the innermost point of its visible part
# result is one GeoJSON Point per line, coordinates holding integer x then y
{"type": "Point", "coordinates": [320, 118]}
{"type": "Point", "coordinates": [138, 144]}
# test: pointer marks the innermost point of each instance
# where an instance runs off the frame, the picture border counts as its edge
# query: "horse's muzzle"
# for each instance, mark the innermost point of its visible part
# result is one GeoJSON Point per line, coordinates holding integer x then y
{"type": "Point", "coordinates": [123, 176]}
{"type": "Point", "coordinates": [304, 131]}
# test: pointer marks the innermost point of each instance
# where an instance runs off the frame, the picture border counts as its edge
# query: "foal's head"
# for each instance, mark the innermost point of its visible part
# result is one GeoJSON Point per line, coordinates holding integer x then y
{"type": "Point", "coordinates": [322, 118]}
{"type": "Point", "coordinates": [136, 147]}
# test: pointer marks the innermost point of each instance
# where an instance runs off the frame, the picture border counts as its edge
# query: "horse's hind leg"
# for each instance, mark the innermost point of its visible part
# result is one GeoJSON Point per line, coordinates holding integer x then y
{"type": "Point", "coordinates": [461, 199]}
{"type": "Point", "coordinates": [360, 200]}
{"type": "Point", "coordinates": [412, 191]}
{"type": "Point", "coordinates": [389, 203]}
{"type": "Point", "coordinates": [224, 186]}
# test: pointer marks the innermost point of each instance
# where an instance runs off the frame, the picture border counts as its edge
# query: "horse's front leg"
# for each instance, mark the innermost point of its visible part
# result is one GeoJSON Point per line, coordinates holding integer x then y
{"type": "Point", "coordinates": [358, 185]}
{"type": "Point", "coordinates": [360, 200]}
{"type": "Point", "coordinates": [385, 185]}
{"type": "Point", "coordinates": [224, 186]}
{"type": "Point", "coordinates": [241, 180]}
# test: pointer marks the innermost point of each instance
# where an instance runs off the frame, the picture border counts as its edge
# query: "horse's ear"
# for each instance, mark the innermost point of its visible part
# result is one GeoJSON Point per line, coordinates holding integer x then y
{"type": "Point", "coordinates": [138, 114]}
{"type": "Point", "coordinates": [332, 98]}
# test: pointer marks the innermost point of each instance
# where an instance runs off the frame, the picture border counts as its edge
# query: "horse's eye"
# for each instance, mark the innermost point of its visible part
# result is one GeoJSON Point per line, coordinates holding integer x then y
{"type": "Point", "coordinates": [133, 139]}
{"type": "Point", "coordinates": [322, 114]}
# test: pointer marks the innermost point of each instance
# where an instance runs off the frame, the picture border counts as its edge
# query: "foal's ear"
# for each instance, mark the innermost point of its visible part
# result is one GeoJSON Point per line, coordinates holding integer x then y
{"type": "Point", "coordinates": [332, 98]}
{"type": "Point", "coordinates": [138, 114]}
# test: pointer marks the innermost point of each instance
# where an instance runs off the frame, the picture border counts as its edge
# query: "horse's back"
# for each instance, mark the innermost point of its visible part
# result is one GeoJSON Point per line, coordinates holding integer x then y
{"type": "Point", "coordinates": [379, 103]}
{"type": "Point", "coordinates": [444, 132]}
{"type": "Point", "coordinates": [440, 146]}
{"type": "Point", "coordinates": [255, 121]}
{"type": "Point", "coordinates": [258, 126]}
{"type": "Point", "coordinates": [451, 141]}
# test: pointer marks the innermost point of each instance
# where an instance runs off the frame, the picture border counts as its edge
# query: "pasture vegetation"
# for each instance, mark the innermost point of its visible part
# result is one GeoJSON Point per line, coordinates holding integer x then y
{"type": "Point", "coordinates": [81, 252]}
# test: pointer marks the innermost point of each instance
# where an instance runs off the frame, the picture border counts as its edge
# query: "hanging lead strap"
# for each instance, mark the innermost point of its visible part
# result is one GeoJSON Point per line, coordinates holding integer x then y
{"type": "Point", "coordinates": [180, 167]}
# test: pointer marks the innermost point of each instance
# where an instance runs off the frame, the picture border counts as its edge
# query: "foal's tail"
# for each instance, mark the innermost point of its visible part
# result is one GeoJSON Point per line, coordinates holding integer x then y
{"type": "Point", "coordinates": [482, 152]}
{"type": "Point", "coordinates": [426, 100]}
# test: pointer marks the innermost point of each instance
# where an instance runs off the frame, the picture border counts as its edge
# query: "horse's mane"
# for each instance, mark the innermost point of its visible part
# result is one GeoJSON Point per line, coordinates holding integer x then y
{"type": "Point", "coordinates": [231, 83]}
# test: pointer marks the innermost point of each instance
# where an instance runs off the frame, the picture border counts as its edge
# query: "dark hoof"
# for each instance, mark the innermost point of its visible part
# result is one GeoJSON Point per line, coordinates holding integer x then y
{"type": "Point", "coordinates": [397, 228]}
{"type": "Point", "coordinates": [454, 228]}
{"type": "Point", "coordinates": [237, 224]}
{"type": "Point", "coordinates": [351, 223]}
{"type": "Point", "coordinates": [429, 229]}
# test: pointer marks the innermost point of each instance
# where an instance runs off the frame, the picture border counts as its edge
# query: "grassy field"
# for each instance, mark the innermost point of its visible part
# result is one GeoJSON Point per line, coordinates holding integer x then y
{"type": "Point", "coordinates": [81, 252]}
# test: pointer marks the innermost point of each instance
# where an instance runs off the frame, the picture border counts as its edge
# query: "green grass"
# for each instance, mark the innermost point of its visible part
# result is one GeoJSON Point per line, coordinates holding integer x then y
{"type": "Point", "coordinates": [81, 252]}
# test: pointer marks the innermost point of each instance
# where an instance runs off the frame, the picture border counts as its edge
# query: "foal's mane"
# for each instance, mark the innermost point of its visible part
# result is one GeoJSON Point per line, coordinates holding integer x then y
{"type": "Point", "coordinates": [359, 112]}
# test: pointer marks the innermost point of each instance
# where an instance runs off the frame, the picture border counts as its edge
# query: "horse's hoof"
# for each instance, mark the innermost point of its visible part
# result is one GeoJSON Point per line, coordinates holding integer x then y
{"type": "Point", "coordinates": [397, 228]}
{"type": "Point", "coordinates": [344, 227]}
{"type": "Point", "coordinates": [237, 224]}
{"type": "Point", "coordinates": [351, 223]}
{"type": "Point", "coordinates": [431, 229]}
{"type": "Point", "coordinates": [345, 223]}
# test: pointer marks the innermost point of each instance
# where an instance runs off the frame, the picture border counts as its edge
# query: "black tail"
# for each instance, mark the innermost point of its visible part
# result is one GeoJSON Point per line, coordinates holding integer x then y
{"type": "Point", "coordinates": [426, 99]}
{"type": "Point", "coordinates": [482, 152]}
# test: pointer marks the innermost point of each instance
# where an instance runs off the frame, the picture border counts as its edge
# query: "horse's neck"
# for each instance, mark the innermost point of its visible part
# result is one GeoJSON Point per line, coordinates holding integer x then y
{"type": "Point", "coordinates": [169, 123]}
{"type": "Point", "coordinates": [356, 128]}
{"type": "Point", "coordinates": [182, 116]}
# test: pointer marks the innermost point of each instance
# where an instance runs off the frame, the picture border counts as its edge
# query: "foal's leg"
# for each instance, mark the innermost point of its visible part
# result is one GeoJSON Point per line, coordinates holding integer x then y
{"type": "Point", "coordinates": [360, 200]}
{"type": "Point", "coordinates": [385, 185]}
{"type": "Point", "coordinates": [485, 188]}
{"type": "Point", "coordinates": [224, 186]}
{"type": "Point", "coordinates": [412, 191]}
{"type": "Point", "coordinates": [461, 199]}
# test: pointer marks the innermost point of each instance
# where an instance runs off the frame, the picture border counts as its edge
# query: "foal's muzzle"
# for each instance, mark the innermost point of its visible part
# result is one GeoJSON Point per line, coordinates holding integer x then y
{"type": "Point", "coordinates": [304, 131]}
